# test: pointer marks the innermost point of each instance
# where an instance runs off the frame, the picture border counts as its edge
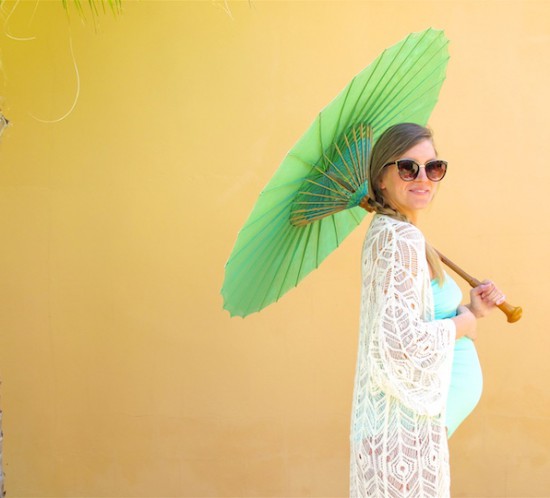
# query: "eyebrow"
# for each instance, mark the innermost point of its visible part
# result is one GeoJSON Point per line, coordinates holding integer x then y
{"type": "Point", "coordinates": [416, 160]}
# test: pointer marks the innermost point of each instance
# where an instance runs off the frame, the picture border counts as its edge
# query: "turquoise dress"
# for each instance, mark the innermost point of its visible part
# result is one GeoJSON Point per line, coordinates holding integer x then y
{"type": "Point", "coordinates": [466, 377]}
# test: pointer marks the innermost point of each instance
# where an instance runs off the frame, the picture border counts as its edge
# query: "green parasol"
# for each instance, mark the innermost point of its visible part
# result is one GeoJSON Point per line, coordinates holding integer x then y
{"type": "Point", "coordinates": [312, 202]}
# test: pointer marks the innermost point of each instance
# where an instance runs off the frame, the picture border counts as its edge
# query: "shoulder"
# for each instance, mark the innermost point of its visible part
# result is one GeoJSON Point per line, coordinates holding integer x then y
{"type": "Point", "coordinates": [392, 229]}
{"type": "Point", "coordinates": [393, 240]}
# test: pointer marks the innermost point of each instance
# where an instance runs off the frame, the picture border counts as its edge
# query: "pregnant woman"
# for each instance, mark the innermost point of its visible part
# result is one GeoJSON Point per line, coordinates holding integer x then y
{"type": "Point", "coordinates": [417, 374]}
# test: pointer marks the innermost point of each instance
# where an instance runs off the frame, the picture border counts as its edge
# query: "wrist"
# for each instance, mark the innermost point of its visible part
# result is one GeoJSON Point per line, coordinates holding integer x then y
{"type": "Point", "coordinates": [466, 323]}
{"type": "Point", "coordinates": [476, 312]}
{"type": "Point", "coordinates": [466, 308]}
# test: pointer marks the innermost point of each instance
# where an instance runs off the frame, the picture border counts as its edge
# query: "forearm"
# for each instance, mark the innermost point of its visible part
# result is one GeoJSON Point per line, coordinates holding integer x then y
{"type": "Point", "coordinates": [466, 323]}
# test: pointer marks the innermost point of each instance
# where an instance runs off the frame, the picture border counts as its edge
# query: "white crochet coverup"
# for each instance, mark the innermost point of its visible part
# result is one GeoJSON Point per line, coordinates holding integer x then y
{"type": "Point", "coordinates": [398, 438]}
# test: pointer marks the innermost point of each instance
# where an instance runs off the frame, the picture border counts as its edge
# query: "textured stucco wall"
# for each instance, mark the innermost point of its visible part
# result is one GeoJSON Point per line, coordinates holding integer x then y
{"type": "Point", "coordinates": [121, 374]}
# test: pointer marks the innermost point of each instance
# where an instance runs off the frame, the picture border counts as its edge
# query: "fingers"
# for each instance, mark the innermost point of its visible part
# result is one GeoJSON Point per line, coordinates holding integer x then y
{"type": "Point", "coordinates": [490, 293]}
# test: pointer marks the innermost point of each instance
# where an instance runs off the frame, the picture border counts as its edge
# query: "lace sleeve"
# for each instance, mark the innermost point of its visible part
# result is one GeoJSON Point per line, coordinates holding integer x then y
{"type": "Point", "coordinates": [414, 352]}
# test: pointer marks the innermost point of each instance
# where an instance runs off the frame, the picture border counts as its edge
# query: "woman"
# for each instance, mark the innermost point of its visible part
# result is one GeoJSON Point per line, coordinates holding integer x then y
{"type": "Point", "coordinates": [405, 357]}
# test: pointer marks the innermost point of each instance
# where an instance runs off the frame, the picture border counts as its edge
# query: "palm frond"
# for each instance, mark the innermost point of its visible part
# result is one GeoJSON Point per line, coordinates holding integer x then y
{"type": "Point", "coordinates": [94, 6]}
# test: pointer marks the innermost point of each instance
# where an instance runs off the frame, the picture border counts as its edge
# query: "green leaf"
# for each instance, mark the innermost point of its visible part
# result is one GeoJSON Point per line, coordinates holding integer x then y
{"type": "Point", "coordinates": [94, 6]}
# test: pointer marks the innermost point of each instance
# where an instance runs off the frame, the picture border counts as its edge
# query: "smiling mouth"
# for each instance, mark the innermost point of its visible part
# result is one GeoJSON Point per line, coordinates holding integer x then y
{"type": "Point", "coordinates": [419, 191]}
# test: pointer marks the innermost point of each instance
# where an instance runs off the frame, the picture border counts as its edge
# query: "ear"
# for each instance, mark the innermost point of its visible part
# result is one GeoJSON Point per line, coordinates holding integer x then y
{"type": "Point", "coordinates": [381, 185]}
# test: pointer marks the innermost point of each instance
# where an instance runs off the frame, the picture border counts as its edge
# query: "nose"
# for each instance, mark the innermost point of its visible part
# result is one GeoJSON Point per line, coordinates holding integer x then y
{"type": "Point", "coordinates": [422, 173]}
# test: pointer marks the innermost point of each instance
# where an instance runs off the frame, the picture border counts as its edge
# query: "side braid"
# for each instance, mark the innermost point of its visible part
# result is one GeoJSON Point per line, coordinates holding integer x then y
{"type": "Point", "coordinates": [375, 206]}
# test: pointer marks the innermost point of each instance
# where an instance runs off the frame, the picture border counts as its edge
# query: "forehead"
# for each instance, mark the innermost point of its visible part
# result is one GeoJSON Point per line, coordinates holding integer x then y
{"type": "Point", "coordinates": [422, 151]}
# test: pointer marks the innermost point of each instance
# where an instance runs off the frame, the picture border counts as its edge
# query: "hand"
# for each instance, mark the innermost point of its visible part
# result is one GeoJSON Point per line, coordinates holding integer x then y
{"type": "Point", "coordinates": [484, 298]}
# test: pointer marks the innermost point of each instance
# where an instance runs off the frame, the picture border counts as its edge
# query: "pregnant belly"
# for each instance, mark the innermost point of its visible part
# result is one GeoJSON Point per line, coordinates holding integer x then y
{"type": "Point", "coordinates": [466, 384]}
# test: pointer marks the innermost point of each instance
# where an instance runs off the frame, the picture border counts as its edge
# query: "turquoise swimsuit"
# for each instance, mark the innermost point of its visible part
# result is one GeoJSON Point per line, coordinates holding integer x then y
{"type": "Point", "coordinates": [466, 377]}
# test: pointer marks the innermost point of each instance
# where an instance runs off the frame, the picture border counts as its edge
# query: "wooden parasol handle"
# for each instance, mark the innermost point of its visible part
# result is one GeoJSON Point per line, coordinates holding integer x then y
{"type": "Point", "coordinates": [512, 312]}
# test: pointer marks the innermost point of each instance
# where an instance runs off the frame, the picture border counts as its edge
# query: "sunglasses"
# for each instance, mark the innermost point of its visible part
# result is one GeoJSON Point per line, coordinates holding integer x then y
{"type": "Point", "coordinates": [408, 169]}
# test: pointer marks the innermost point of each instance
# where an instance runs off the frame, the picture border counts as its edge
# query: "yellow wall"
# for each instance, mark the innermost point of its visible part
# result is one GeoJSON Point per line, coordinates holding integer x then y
{"type": "Point", "coordinates": [122, 376]}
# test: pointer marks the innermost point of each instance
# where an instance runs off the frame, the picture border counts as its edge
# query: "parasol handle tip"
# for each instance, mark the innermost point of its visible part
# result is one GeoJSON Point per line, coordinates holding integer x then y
{"type": "Point", "coordinates": [513, 313]}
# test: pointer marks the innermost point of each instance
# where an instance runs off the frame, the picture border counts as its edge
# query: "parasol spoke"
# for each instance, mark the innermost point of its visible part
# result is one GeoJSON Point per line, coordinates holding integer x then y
{"type": "Point", "coordinates": [384, 79]}
{"type": "Point", "coordinates": [351, 176]}
{"type": "Point", "coordinates": [317, 194]}
{"type": "Point", "coordinates": [259, 238]}
{"type": "Point", "coordinates": [354, 159]}
{"type": "Point", "coordinates": [261, 262]}
{"type": "Point", "coordinates": [399, 101]}
{"type": "Point", "coordinates": [398, 77]}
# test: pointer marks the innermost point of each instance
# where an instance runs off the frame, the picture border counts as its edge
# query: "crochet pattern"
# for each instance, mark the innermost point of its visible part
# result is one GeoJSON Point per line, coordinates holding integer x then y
{"type": "Point", "coordinates": [398, 440]}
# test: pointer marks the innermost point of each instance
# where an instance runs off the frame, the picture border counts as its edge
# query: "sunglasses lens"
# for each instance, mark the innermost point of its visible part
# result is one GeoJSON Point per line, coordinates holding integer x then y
{"type": "Point", "coordinates": [408, 170]}
{"type": "Point", "coordinates": [435, 170]}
